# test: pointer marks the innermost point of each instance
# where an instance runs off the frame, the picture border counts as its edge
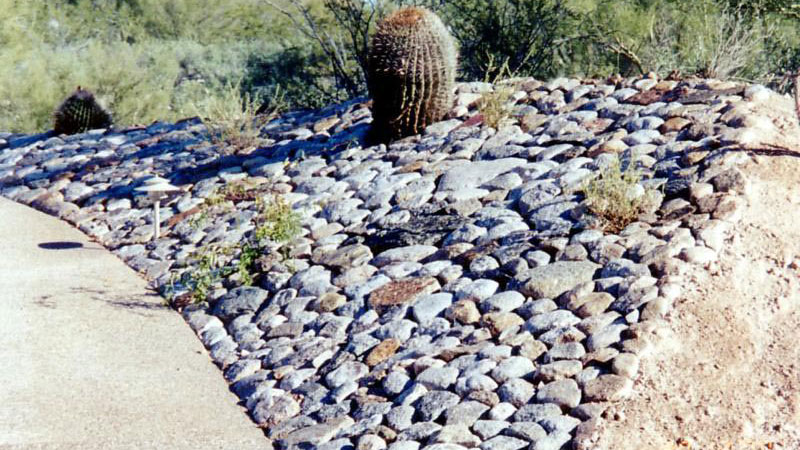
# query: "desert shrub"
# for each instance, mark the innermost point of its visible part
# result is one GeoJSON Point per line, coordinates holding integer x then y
{"type": "Point", "coordinates": [616, 198]}
{"type": "Point", "coordinates": [232, 119]}
{"type": "Point", "coordinates": [494, 105]}
{"type": "Point", "coordinates": [297, 73]}
{"type": "Point", "coordinates": [146, 60]}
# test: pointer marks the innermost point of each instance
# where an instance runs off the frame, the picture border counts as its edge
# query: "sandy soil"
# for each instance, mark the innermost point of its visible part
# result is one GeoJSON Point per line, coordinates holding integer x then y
{"type": "Point", "coordinates": [725, 370]}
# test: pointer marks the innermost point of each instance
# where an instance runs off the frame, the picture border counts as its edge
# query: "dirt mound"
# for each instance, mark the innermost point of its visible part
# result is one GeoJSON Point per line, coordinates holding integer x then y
{"type": "Point", "coordinates": [726, 372]}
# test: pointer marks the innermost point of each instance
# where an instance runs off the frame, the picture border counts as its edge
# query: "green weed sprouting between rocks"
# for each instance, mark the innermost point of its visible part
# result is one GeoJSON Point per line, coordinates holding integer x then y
{"type": "Point", "coordinates": [277, 221]}
{"type": "Point", "coordinates": [615, 197]}
{"type": "Point", "coordinates": [205, 272]}
{"type": "Point", "coordinates": [246, 265]}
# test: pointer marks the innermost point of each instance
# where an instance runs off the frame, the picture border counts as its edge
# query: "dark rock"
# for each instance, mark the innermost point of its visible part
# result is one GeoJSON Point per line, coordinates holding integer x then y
{"type": "Point", "coordinates": [242, 300]}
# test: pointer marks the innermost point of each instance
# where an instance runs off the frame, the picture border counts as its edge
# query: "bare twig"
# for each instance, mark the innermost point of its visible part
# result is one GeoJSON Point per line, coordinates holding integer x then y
{"type": "Point", "coordinates": [797, 94]}
{"type": "Point", "coordinates": [336, 51]}
{"type": "Point", "coordinates": [620, 48]}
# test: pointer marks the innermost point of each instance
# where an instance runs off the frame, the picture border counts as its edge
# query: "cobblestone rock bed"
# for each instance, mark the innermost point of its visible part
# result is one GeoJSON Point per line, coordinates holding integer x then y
{"type": "Point", "coordinates": [447, 291]}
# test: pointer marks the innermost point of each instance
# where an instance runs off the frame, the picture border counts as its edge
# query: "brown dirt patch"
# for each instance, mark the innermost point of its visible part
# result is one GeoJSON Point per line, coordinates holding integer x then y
{"type": "Point", "coordinates": [725, 373]}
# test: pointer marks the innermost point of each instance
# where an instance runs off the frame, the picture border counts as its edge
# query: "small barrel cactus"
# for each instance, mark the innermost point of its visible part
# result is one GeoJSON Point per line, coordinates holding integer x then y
{"type": "Point", "coordinates": [80, 112]}
{"type": "Point", "coordinates": [412, 67]}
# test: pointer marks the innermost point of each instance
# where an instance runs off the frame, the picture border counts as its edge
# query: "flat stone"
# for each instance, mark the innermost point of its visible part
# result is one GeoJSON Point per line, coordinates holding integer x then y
{"type": "Point", "coordinates": [554, 279]}
{"type": "Point", "coordinates": [242, 300]}
{"type": "Point", "coordinates": [423, 430]}
{"type": "Point", "coordinates": [346, 257]}
{"type": "Point", "coordinates": [477, 173]}
{"type": "Point", "coordinates": [404, 445]}
{"type": "Point", "coordinates": [731, 180]}
{"type": "Point", "coordinates": [498, 322]}
{"type": "Point", "coordinates": [370, 442]}
{"type": "Point", "coordinates": [402, 292]}
{"type": "Point", "coordinates": [349, 371]}
{"type": "Point", "coordinates": [503, 302]}
{"type": "Point", "coordinates": [412, 253]}
{"type": "Point", "coordinates": [530, 431]}
{"type": "Point", "coordinates": [489, 428]}
{"type": "Point", "coordinates": [426, 308]}
{"type": "Point", "coordinates": [594, 303]}
{"type": "Point", "coordinates": [288, 329]}
{"type": "Point", "coordinates": [502, 411]}
{"type": "Point", "coordinates": [553, 441]}
{"type": "Point", "coordinates": [608, 388]}
{"type": "Point", "coordinates": [514, 367]}
{"type": "Point", "coordinates": [479, 290]}
{"type": "Point", "coordinates": [431, 405]}
{"type": "Point", "coordinates": [558, 370]}
{"type": "Point", "coordinates": [329, 302]}
{"type": "Point", "coordinates": [274, 411]}
{"type": "Point", "coordinates": [463, 311]}
{"type": "Point", "coordinates": [383, 351]}
{"type": "Point", "coordinates": [438, 377]}
{"type": "Point", "coordinates": [536, 412]}
{"type": "Point", "coordinates": [318, 434]}
{"type": "Point", "coordinates": [516, 391]}
{"type": "Point", "coordinates": [605, 337]}
{"type": "Point", "coordinates": [560, 318]}
{"type": "Point", "coordinates": [399, 417]}
{"type": "Point", "coordinates": [504, 443]}
{"type": "Point", "coordinates": [465, 413]}
{"type": "Point", "coordinates": [626, 365]}
{"type": "Point", "coordinates": [455, 434]}
{"type": "Point", "coordinates": [445, 447]}
{"type": "Point", "coordinates": [564, 393]}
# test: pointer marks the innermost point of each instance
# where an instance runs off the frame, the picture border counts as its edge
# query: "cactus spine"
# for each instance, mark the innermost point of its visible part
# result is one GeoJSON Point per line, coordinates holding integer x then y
{"type": "Point", "coordinates": [412, 66]}
{"type": "Point", "coordinates": [80, 112]}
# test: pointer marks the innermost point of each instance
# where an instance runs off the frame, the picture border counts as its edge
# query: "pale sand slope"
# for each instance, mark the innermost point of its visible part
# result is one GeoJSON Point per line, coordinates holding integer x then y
{"type": "Point", "coordinates": [89, 359]}
{"type": "Point", "coordinates": [726, 373]}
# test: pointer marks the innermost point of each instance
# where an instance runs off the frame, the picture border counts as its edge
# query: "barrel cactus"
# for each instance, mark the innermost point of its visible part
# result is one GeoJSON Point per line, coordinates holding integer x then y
{"type": "Point", "coordinates": [80, 112]}
{"type": "Point", "coordinates": [412, 67]}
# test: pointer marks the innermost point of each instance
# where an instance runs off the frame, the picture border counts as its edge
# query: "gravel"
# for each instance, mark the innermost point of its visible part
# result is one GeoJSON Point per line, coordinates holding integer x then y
{"type": "Point", "coordinates": [444, 291]}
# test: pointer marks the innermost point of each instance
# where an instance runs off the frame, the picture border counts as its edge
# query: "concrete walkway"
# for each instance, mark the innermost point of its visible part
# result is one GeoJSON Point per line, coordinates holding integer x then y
{"type": "Point", "coordinates": [89, 359]}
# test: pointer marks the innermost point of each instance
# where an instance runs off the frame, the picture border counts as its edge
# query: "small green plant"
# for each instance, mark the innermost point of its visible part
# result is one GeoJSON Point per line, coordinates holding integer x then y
{"type": "Point", "coordinates": [616, 198]}
{"type": "Point", "coordinates": [245, 267]}
{"type": "Point", "coordinates": [199, 220]}
{"type": "Point", "coordinates": [208, 269]}
{"type": "Point", "coordinates": [277, 221]}
{"type": "Point", "coordinates": [202, 276]}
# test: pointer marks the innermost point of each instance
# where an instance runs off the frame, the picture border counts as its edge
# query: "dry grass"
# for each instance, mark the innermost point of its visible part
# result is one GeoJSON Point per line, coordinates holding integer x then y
{"type": "Point", "coordinates": [496, 106]}
{"type": "Point", "coordinates": [232, 120]}
{"type": "Point", "coordinates": [616, 198]}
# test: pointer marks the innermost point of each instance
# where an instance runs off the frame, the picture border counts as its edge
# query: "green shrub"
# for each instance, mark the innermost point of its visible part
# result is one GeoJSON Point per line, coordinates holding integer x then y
{"type": "Point", "coordinates": [246, 264]}
{"type": "Point", "coordinates": [206, 269]}
{"type": "Point", "coordinates": [277, 222]}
